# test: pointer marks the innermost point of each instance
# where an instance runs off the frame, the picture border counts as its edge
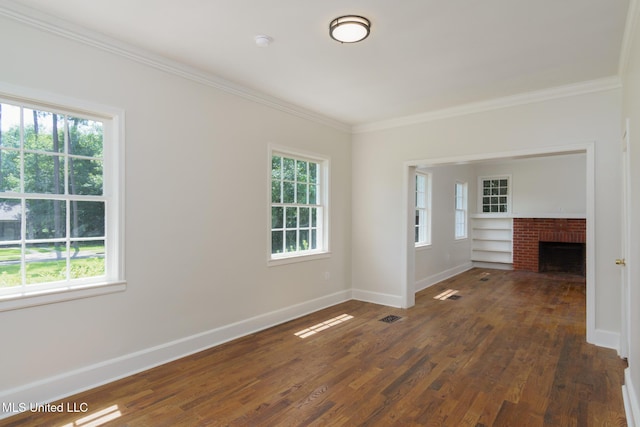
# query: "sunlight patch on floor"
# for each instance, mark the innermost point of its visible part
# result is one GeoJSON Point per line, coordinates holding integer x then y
{"type": "Point", "coordinates": [324, 325]}
{"type": "Point", "coordinates": [97, 418]}
{"type": "Point", "coordinates": [446, 294]}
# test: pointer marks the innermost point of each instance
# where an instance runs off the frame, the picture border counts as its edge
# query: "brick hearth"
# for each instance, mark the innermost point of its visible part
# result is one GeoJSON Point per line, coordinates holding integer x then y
{"type": "Point", "coordinates": [528, 232]}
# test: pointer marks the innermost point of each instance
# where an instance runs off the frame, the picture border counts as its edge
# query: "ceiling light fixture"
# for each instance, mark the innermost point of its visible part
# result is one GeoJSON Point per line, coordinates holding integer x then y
{"type": "Point", "coordinates": [349, 28]}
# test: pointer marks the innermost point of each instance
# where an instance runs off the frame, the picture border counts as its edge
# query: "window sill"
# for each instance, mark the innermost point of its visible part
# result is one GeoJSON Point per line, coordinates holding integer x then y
{"type": "Point", "coordinates": [24, 300]}
{"type": "Point", "coordinates": [272, 262]}
{"type": "Point", "coordinates": [423, 246]}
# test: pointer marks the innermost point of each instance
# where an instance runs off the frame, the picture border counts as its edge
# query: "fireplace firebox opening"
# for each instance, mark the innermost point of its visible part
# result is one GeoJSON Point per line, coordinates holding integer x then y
{"type": "Point", "coordinates": [562, 257]}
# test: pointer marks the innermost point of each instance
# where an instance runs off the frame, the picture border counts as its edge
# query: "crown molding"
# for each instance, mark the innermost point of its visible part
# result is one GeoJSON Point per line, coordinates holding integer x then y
{"type": "Point", "coordinates": [633, 16]}
{"type": "Point", "coordinates": [62, 28]}
{"type": "Point", "coordinates": [575, 89]}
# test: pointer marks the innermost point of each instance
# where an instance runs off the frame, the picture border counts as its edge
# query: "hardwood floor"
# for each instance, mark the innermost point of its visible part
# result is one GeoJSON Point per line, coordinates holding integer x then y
{"type": "Point", "coordinates": [510, 351]}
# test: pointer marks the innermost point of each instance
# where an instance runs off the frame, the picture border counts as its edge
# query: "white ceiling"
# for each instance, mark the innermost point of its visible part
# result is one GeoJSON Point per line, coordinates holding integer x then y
{"type": "Point", "coordinates": [421, 56]}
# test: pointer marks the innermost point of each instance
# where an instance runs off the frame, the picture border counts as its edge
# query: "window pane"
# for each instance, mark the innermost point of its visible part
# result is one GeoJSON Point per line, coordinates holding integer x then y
{"type": "Point", "coordinates": [313, 189]}
{"type": "Point", "coordinates": [276, 167]}
{"type": "Point", "coordinates": [276, 192]}
{"type": "Point", "coordinates": [10, 269]}
{"type": "Point", "coordinates": [302, 174]}
{"type": "Point", "coordinates": [503, 182]}
{"type": "Point", "coordinates": [85, 177]}
{"type": "Point", "coordinates": [46, 262]}
{"type": "Point", "coordinates": [289, 191]}
{"type": "Point", "coordinates": [503, 191]}
{"type": "Point", "coordinates": [304, 240]}
{"type": "Point", "coordinates": [43, 131]}
{"type": "Point", "coordinates": [304, 217]}
{"type": "Point", "coordinates": [417, 239]}
{"type": "Point", "coordinates": [314, 217]}
{"type": "Point", "coordinates": [46, 219]}
{"type": "Point", "coordinates": [10, 219]}
{"type": "Point", "coordinates": [87, 219]}
{"type": "Point", "coordinates": [289, 169]}
{"type": "Point", "coordinates": [87, 259]}
{"type": "Point", "coordinates": [314, 243]}
{"type": "Point", "coordinates": [43, 173]}
{"type": "Point", "coordinates": [9, 126]}
{"type": "Point", "coordinates": [420, 183]}
{"type": "Point", "coordinates": [85, 137]}
{"type": "Point", "coordinates": [291, 243]}
{"type": "Point", "coordinates": [277, 242]}
{"type": "Point", "coordinates": [302, 194]}
{"type": "Point", "coordinates": [292, 217]}
{"type": "Point", "coordinates": [313, 172]}
{"type": "Point", "coordinates": [277, 217]}
{"type": "Point", "coordinates": [10, 171]}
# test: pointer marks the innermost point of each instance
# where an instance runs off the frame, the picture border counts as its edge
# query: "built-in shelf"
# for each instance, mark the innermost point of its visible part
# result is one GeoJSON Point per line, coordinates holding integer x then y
{"type": "Point", "coordinates": [492, 239]}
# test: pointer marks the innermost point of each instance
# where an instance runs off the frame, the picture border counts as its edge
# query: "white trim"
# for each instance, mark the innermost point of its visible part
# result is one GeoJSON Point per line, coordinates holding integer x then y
{"type": "Point", "coordinates": [607, 83]}
{"type": "Point", "coordinates": [633, 16]}
{"type": "Point", "coordinates": [59, 27]}
{"type": "Point", "coordinates": [423, 284]}
{"type": "Point", "coordinates": [630, 399]}
{"type": "Point", "coordinates": [606, 339]}
{"type": "Point", "coordinates": [14, 302]}
{"type": "Point", "coordinates": [323, 228]}
{"type": "Point", "coordinates": [114, 193]}
{"type": "Point", "coordinates": [480, 191]}
{"type": "Point", "coordinates": [377, 298]}
{"type": "Point", "coordinates": [72, 382]}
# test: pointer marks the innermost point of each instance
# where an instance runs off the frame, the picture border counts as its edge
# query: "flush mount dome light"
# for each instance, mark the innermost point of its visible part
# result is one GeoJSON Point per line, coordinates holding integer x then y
{"type": "Point", "coordinates": [349, 28]}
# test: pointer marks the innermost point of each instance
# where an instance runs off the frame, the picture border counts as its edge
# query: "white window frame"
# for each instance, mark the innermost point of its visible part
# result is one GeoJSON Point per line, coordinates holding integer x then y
{"type": "Point", "coordinates": [461, 210]}
{"type": "Point", "coordinates": [322, 205]}
{"type": "Point", "coordinates": [481, 188]}
{"type": "Point", "coordinates": [113, 197]}
{"type": "Point", "coordinates": [422, 204]}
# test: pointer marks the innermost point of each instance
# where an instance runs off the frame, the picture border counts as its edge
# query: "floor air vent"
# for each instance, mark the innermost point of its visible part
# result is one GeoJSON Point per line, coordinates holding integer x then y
{"type": "Point", "coordinates": [455, 297]}
{"type": "Point", "coordinates": [390, 318]}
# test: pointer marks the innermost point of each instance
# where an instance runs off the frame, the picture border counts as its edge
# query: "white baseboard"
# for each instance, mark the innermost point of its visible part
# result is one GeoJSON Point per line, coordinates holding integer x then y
{"type": "Point", "coordinates": [60, 386]}
{"type": "Point", "coordinates": [377, 298]}
{"type": "Point", "coordinates": [631, 403]}
{"type": "Point", "coordinates": [605, 339]}
{"type": "Point", "coordinates": [439, 277]}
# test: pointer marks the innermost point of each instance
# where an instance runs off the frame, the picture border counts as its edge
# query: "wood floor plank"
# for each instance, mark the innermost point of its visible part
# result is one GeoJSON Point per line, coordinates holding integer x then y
{"type": "Point", "coordinates": [510, 350]}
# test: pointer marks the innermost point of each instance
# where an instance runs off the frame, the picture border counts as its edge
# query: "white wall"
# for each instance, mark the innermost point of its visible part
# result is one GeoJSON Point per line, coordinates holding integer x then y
{"type": "Point", "coordinates": [543, 185]}
{"type": "Point", "coordinates": [196, 221]}
{"type": "Point", "coordinates": [379, 157]}
{"type": "Point", "coordinates": [631, 84]}
{"type": "Point", "coordinates": [446, 255]}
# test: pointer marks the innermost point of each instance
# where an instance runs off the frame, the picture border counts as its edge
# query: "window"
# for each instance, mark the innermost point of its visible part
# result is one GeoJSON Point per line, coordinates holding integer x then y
{"type": "Point", "coordinates": [54, 207]}
{"type": "Point", "coordinates": [423, 209]}
{"type": "Point", "coordinates": [494, 194]}
{"type": "Point", "coordinates": [298, 205]}
{"type": "Point", "coordinates": [461, 210]}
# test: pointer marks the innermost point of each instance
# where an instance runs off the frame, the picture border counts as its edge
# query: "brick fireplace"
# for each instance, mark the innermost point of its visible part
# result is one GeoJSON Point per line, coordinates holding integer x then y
{"type": "Point", "coordinates": [529, 233]}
